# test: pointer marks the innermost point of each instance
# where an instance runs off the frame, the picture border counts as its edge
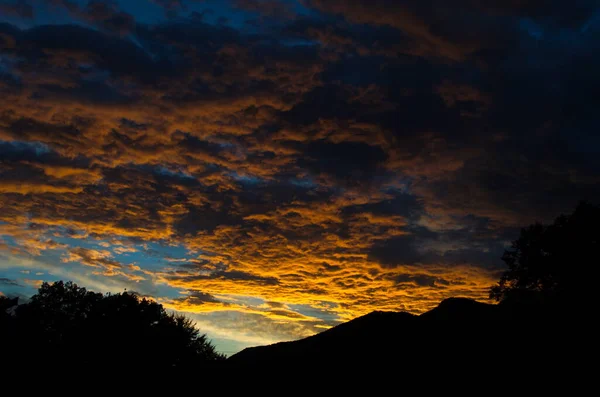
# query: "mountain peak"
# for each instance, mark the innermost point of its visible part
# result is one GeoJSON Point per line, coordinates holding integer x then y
{"type": "Point", "coordinates": [460, 309]}
{"type": "Point", "coordinates": [455, 325]}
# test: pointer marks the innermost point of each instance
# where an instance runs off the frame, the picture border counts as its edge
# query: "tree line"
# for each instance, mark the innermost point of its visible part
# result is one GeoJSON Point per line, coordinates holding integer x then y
{"type": "Point", "coordinates": [75, 327]}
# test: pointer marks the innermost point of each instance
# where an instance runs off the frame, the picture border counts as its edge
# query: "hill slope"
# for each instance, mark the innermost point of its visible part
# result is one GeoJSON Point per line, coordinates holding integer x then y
{"type": "Point", "coordinates": [457, 330]}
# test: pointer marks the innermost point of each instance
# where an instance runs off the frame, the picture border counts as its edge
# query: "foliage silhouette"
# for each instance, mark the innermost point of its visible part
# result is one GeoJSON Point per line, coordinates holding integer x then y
{"type": "Point", "coordinates": [77, 327]}
{"type": "Point", "coordinates": [551, 263]}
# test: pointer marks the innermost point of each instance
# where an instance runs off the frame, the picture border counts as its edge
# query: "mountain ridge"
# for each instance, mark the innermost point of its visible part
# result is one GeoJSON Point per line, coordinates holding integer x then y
{"type": "Point", "coordinates": [378, 325]}
{"type": "Point", "coordinates": [458, 329]}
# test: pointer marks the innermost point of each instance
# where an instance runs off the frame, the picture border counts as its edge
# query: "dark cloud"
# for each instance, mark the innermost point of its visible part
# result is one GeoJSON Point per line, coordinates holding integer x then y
{"type": "Point", "coordinates": [9, 282]}
{"type": "Point", "coordinates": [572, 14]}
{"type": "Point", "coordinates": [119, 56]}
{"type": "Point", "coordinates": [346, 161]}
{"type": "Point", "coordinates": [199, 298]}
{"type": "Point", "coordinates": [16, 152]}
{"type": "Point", "coordinates": [326, 267]}
{"type": "Point", "coordinates": [396, 251]}
{"type": "Point", "coordinates": [339, 38]}
{"type": "Point", "coordinates": [19, 8]}
{"type": "Point", "coordinates": [277, 305]}
{"type": "Point", "coordinates": [422, 280]}
{"type": "Point", "coordinates": [69, 5]}
{"type": "Point", "coordinates": [29, 129]}
{"type": "Point", "coordinates": [403, 204]}
{"type": "Point", "coordinates": [108, 17]}
{"type": "Point", "coordinates": [272, 8]}
{"type": "Point", "coordinates": [286, 313]}
{"type": "Point", "coordinates": [229, 276]}
{"type": "Point", "coordinates": [103, 14]}
{"type": "Point", "coordinates": [171, 6]}
{"type": "Point", "coordinates": [476, 241]}
{"type": "Point", "coordinates": [242, 276]}
{"type": "Point", "coordinates": [465, 26]}
{"type": "Point", "coordinates": [324, 102]}
{"type": "Point", "coordinates": [204, 219]}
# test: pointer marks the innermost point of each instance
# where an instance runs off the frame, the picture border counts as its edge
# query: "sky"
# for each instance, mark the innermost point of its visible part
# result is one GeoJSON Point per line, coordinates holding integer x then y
{"type": "Point", "coordinates": [274, 168]}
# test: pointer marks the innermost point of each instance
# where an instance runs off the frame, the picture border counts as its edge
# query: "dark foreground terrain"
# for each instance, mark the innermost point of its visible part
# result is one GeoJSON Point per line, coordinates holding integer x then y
{"type": "Point", "coordinates": [457, 332]}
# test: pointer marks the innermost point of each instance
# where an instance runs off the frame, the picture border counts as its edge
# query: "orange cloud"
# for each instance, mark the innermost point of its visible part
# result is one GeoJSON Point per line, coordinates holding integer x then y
{"type": "Point", "coordinates": [257, 176]}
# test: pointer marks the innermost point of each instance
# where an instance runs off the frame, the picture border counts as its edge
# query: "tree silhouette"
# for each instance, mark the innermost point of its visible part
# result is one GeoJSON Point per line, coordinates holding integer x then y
{"type": "Point", "coordinates": [553, 262]}
{"type": "Point", "coordinates": [77, 327]}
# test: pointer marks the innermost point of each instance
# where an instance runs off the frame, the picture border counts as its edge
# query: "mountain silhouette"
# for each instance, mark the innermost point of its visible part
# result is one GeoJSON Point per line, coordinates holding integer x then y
{"type": "Point", "coordinates": [458, 330]}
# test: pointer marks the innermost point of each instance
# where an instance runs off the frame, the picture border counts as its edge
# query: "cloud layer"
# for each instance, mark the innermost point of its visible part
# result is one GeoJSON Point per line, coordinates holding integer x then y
{"type": "Point", "coordinates": [276, 167]}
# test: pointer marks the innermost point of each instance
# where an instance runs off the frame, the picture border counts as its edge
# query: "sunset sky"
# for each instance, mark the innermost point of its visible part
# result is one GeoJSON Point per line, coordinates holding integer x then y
{"type": "Point", "coordinates": [273, 168]}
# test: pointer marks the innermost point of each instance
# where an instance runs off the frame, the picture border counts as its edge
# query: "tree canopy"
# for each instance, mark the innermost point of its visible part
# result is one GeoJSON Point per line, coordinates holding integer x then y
{"type": "Point", "coordinates": [553, 262]}
{"type": "Point", "coordinates": [77, 327]}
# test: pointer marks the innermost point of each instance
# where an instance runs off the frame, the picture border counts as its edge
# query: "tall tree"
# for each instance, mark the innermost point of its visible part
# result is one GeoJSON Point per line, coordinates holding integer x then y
{"type": "Point", "coordinates": [554, 262]}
